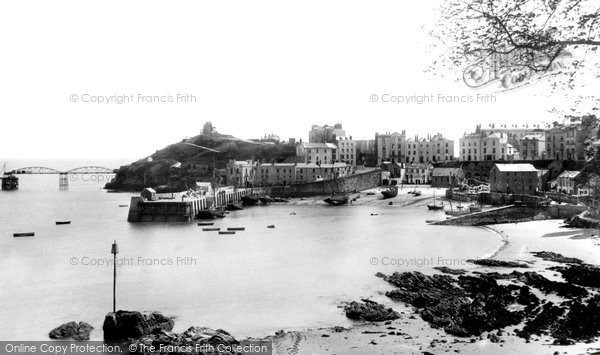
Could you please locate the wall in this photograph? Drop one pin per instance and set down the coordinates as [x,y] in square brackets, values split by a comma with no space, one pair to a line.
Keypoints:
[358,182]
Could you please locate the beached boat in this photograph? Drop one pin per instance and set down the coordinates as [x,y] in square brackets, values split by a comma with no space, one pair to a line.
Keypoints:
[210,229]
[30,234]
[417,193]
[337,197]
[390,192]
[435,206]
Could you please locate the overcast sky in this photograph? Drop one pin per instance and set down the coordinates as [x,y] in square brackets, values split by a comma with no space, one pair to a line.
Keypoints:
[254,67]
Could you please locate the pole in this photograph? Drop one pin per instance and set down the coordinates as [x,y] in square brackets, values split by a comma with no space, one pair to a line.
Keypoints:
[114,250]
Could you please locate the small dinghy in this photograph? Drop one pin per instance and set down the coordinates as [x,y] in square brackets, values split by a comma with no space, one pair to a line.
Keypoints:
[227,232]
[236,228]
[31,234]
[206,223]
[211,229]
[271,226]
[59,223]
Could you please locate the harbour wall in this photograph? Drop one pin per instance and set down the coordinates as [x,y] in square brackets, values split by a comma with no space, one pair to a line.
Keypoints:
[141,210]
[355,182]
[514,214]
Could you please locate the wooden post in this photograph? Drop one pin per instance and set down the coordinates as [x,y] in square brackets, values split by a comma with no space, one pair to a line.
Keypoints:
[114,250]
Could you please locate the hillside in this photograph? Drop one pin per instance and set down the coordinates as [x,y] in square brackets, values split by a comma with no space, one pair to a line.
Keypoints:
[196,162]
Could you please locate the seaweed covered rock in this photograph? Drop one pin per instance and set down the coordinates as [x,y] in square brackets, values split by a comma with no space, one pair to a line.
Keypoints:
[73,330]
[370,311]
[132,324]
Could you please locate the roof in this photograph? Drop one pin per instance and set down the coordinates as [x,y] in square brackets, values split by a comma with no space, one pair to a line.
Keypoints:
[278,165]
[533,136]
[320,145]
[418,165]
[516,168]
[313,165]
[445,171]
[496,135]
[149,189]
[570,174]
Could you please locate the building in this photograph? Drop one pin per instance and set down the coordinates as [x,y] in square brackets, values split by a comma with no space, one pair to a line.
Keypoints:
[391,147]
[447,177]
[317,153]
[418,173]
[513,132]
[493,146]
[346,150]
[270,138]
[313,172]
[431,149]
[395,170]
[565,142]
[395,147]
[276,174]
[325,134]
[514,178]
[566,183]
[533,147]
[240,173]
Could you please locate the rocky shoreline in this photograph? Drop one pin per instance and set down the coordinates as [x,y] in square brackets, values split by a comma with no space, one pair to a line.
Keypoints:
[467,306]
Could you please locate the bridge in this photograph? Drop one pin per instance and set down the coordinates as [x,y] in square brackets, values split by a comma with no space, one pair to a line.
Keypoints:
[80,170]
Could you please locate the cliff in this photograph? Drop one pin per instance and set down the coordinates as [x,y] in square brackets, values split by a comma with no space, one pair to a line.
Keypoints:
[162,171]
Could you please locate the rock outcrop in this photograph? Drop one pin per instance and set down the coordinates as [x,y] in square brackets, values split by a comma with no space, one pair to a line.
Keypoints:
[72,330]
[133,324]
[200,340]
[370,311]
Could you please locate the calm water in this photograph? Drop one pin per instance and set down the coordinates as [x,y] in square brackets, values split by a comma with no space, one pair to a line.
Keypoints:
[253,283]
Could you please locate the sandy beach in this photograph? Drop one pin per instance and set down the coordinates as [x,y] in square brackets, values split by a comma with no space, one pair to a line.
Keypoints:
[411,335]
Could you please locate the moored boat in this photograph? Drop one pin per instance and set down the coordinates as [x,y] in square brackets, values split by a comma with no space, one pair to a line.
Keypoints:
[435,206]
[30,234]
[58,223]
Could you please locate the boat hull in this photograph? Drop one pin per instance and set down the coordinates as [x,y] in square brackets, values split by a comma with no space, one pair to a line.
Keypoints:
[337,200]
[435,207]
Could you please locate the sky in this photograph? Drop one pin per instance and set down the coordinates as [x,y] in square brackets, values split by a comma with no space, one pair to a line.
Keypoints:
[252,67]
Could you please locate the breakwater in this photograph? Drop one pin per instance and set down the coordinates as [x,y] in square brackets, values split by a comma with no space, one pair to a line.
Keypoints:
[183,210]
[514,214]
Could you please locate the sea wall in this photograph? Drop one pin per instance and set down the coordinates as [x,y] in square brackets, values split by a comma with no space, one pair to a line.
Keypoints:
[513,214]
[355,182]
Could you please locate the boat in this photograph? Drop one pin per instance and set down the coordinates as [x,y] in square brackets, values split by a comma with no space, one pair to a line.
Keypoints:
[210,229]
[474,208]
[271,226]
[370,193]
[123,205]
[236,228]
[249,200]
[336,199]
[265,200]
[390,192]
[435,206]
[210,213]
[58,223]
[226,232]
[206,223]
[417,193]
[30,234]
[234,206]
